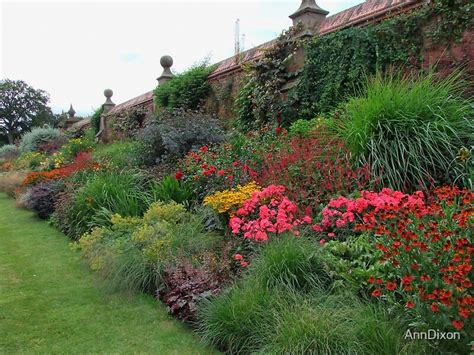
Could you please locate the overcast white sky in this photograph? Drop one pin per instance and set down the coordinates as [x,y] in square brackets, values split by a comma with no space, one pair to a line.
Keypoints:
[75,50]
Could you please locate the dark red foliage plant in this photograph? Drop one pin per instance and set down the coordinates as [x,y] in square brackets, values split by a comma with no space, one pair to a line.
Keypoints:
[313,169]
[186,285]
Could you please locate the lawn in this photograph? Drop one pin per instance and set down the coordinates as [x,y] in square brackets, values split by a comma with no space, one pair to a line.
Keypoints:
[49,302]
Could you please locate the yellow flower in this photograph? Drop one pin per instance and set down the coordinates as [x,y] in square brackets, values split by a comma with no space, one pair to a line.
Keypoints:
[228,201]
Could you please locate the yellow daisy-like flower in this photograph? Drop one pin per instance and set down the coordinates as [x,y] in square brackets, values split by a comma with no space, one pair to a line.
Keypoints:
[228,201]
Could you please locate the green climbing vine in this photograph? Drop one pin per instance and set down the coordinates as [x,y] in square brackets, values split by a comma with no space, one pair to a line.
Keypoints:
[337,62]
[259,99]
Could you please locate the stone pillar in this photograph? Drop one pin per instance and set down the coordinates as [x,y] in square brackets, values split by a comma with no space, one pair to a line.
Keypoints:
[310,16]
[166,62]
[108,105]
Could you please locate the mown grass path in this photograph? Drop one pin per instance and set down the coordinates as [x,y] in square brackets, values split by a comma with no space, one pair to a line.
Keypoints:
[50,302]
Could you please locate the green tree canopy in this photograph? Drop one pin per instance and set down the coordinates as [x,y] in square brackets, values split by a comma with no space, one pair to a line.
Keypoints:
[21,107]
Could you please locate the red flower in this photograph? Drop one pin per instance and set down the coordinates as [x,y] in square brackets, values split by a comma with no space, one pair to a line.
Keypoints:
[221,172]
[458,324]
[391,286]
[371,280]
[278,130]
[235,164]
[204,149]
[434,307]
[410,304]
[238,257]
[407,279]
[179,175]
[377,293]
[243,263]
[425,278]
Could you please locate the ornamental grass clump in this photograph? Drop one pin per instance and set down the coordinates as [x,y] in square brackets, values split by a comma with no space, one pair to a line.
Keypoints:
[126,193]
[409,129]
[283,305]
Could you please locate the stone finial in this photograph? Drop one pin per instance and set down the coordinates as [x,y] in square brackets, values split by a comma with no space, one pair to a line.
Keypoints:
[310,15]
[166,62]
[71,112]
[108,105]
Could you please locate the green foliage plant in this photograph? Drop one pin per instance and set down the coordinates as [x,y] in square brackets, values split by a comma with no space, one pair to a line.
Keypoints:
[187,90]
[107,193]
[171,189]
[409,129]
[95,119]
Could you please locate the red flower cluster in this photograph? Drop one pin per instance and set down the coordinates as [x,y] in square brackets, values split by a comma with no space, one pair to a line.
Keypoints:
[267,211]
[426,246]
[82,161]
[207,164]
[342,211]
[313,169]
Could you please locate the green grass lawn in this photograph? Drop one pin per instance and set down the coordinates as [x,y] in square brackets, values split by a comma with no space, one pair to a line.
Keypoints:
[50,302]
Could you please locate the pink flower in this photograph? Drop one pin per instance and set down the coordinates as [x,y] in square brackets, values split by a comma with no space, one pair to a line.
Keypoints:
[331,235]
[244,263]
[238,257]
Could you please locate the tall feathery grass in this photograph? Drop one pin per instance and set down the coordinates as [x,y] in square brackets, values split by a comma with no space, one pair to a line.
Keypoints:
[410,128]
[125,193]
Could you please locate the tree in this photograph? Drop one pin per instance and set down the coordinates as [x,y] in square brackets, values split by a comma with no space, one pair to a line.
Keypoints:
[21,107]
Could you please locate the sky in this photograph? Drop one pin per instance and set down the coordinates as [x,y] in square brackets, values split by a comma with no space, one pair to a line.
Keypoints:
[74,50]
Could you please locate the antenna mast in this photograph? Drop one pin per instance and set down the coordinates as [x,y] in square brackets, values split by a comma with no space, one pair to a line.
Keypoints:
[237,37]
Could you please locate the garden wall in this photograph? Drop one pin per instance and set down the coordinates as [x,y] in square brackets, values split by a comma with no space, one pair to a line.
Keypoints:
[227,77]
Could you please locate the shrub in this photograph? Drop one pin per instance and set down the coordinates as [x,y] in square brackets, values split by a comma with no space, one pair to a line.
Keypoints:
[172,134]
[8,152]
[409,129]
[39,137]
[171,189]
[188,90]
[42,197]
[313,169]
[107,193]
